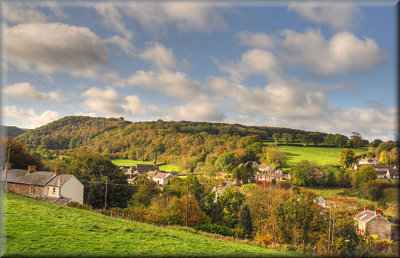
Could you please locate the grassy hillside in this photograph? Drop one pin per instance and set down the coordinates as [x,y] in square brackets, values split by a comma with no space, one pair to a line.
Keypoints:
[130,162]
[45,229]
[319,155]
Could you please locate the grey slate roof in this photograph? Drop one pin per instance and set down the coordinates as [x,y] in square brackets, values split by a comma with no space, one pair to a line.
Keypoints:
[367,216]
[162,176]
[64,179]
[41,178]
[23,177]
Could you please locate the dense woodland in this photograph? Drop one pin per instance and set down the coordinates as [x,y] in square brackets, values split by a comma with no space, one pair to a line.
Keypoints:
[193,146]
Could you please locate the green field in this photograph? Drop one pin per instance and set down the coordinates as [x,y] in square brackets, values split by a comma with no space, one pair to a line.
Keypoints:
[319,155]
[130,162]
[339,196]
[38,228]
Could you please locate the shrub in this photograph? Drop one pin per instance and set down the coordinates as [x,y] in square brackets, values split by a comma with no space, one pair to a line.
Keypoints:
[79,205]
[215,229]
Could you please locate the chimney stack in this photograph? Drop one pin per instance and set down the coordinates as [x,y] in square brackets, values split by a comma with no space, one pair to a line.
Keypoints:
[57,171]
[31,168]
[59,180]
[366,207]
[378,211]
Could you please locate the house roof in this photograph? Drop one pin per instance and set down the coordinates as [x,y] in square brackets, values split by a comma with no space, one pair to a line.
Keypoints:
[64,179]
[367,216]
[264,166]
[42,178]
[393,171]
[22,176]
[162,176]
[146,167]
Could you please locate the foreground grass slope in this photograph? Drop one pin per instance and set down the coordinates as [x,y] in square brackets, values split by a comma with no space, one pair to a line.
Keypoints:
[45,229]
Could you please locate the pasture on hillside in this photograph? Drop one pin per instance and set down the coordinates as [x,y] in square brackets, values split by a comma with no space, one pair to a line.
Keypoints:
[38,228]
[318,155]
[347,198]
[130,162]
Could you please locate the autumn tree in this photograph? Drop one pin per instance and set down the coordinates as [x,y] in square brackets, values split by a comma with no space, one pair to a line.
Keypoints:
[363,175]
[19,156]
[346,157]
[275,158]
[302,173]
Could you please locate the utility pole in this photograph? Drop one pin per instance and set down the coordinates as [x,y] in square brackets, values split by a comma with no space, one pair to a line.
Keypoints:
[105,199]
[8,161]
[329,231]
[187,204]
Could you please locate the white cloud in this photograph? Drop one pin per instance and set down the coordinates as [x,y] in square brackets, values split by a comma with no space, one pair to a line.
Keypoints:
[109,102]
[283,98]
[33,120]
[112,18]
[186,16]
[342,54]
[256,40]
[18,14]
[201,108]
[28,91]
[339,16]
[159,56]
[53,47]
[91,114]
[172,84]
[253,62]
[125,45]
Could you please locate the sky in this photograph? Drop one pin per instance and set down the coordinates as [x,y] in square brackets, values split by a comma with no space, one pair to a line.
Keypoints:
[327,67]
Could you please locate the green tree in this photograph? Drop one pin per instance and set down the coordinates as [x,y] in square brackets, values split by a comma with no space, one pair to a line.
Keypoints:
[275,158]
[146,190]
[331,180]
[230,202]
[245,221]
[276,137]
[375,143]
[316,138]
[330,139]
[302,173]
[19,156]
[363,175]
[340,140]
[93,169]
[346,157]
[298,219]
[226,161]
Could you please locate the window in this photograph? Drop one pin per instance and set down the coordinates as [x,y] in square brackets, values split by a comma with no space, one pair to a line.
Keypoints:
[54,190]
[31,189]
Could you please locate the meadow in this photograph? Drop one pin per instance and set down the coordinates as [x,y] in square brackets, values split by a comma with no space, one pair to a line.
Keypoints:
[38,228]
[130,162]
[348,198]
[318,155]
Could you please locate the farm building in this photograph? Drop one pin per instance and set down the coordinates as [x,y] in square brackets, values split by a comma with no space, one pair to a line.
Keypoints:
[373,223]
[278,176]
[49,186]
[162,178]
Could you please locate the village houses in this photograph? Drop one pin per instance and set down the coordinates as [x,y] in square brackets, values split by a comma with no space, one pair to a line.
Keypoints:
[373,223]
[49,186]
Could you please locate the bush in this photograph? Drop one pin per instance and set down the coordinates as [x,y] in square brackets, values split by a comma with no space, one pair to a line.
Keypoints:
[215,229]
[79,206]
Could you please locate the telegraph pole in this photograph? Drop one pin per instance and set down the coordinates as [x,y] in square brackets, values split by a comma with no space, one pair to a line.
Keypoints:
[105,199]
[187,204]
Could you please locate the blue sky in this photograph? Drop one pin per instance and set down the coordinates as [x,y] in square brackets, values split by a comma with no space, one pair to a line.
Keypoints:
[321,67]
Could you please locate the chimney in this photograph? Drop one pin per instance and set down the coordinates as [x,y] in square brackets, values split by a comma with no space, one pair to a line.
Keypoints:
[378,211]
[366,207]
[8,166]
[57,171]
[31,168]
[59,180]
